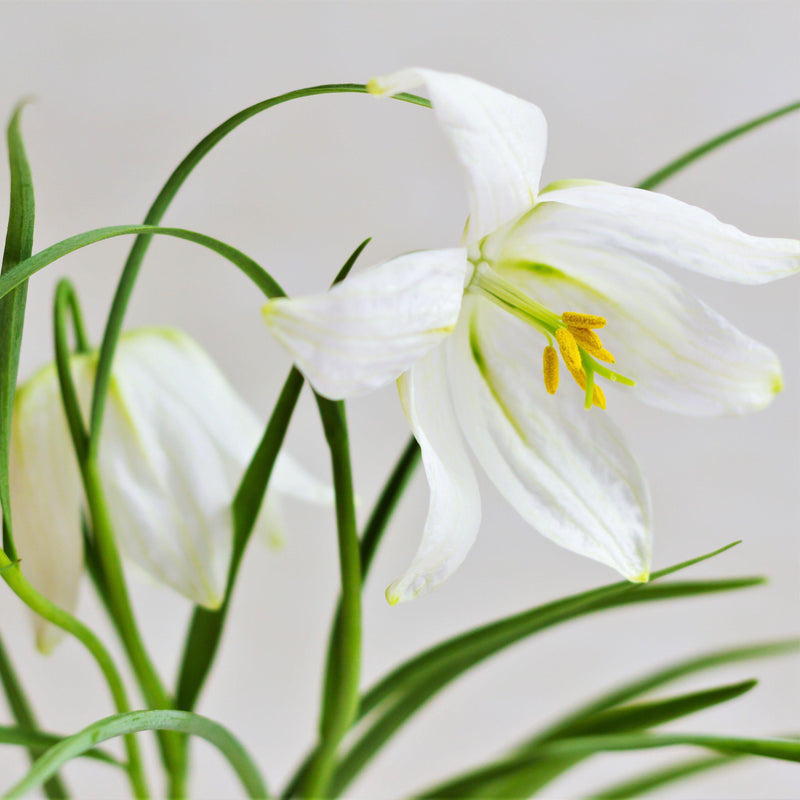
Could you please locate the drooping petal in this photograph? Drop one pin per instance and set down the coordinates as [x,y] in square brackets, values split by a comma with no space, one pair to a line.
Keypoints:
[367,330]
[46,497]
[567,471]
[664,232]
[683,355]
[175,443]
[454,512]
[499,139]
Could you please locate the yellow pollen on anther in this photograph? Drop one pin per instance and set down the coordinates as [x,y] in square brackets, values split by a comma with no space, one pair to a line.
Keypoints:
[591,343]
[577,320]
[550,369]
[569,350]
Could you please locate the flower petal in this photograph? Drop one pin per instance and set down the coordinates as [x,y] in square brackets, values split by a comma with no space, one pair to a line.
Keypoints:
[499,139]
[46,497]
[454,512]
[665,232]
[567,471]
[683,356]
[367,330]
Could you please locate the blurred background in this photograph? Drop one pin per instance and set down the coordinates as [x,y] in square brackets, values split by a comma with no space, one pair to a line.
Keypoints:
[124,90]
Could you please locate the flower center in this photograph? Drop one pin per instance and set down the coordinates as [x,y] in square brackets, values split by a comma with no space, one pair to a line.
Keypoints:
[574,333]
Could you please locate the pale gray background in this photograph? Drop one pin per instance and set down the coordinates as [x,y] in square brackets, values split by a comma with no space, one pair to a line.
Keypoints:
[125,90]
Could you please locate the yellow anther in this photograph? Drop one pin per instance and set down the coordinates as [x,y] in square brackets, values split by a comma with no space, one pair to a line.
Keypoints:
[550,368]
[591,343]
[577,320]
[569,350]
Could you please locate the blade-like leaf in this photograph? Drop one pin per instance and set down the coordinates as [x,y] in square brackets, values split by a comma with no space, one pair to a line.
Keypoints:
[438,673]
[18,246]
[19,273]
[656,779]
[134,722]
[470,785]
[40,742]
[202,639]
[658,177]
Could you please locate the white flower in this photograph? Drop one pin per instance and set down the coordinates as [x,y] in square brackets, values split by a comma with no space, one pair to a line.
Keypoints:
[538,268]
[175,443]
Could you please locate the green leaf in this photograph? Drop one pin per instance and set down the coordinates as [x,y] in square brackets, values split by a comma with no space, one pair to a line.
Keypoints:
[658,177]
[157,210]
[134,722]
[412,684]
[18,274]
[578,748]
[656,779]
[206,627]
[654,680]
[39,742]
[18,246]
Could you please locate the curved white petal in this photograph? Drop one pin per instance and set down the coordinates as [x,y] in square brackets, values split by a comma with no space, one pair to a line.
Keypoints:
[454,513]
[664,232]
[46,496]
[499,139]
[567,471]
[683,356]
[367,330]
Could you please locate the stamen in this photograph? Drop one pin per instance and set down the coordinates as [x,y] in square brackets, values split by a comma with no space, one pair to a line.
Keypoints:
[591,343]
[569,350]
[577,320]
[598,398]
[550,368]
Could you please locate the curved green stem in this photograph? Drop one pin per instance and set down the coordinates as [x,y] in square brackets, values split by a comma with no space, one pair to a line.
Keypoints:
[116,592]
[13,576]
[660,175]
[159,207]
[133,722]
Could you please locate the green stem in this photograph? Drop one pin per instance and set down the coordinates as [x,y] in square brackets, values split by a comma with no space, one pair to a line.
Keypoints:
[113,578]
[23,714]
[39,604]
[340,698]
[373,531]
[659,176]
[155,694]
[156,212]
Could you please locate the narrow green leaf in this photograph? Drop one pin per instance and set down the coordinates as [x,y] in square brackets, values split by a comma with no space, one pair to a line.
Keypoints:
[656,712]
[436,668]
[157,210]
[206,627]
[658,177]
[18,246]
[38,741]
[19,273]
[469,785]
[508,630]
[654,680]
[134,722]
[656,779]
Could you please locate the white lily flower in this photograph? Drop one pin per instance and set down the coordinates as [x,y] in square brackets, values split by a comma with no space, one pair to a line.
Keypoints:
[175,443]
[539,268]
